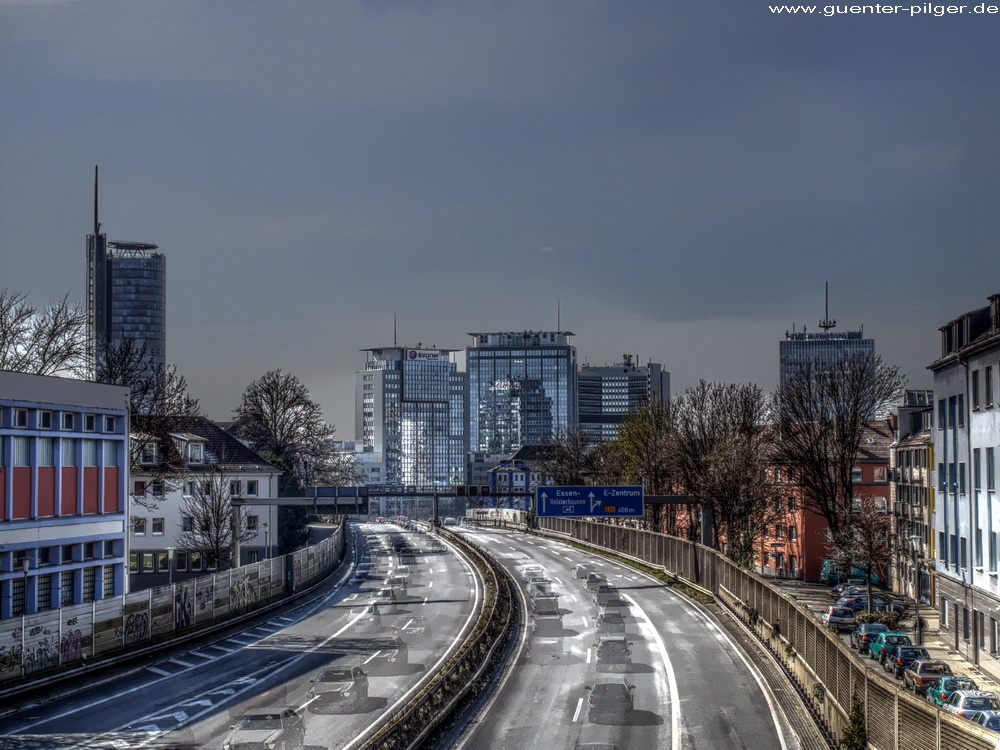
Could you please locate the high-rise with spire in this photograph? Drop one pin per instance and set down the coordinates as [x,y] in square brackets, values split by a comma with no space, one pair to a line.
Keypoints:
[126,294]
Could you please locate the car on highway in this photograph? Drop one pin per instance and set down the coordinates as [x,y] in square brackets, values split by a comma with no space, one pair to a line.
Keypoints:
[605,593]
[879,646]
[405,572]
[275,729]
[593,580]
[613,651]
[988,719]
[582,570]
[398,584]
[839,617]
[864,634]
[967,703]
[539,585]
[531,571]
[545,603]
[610,698]
[386,599]
[941,689]
[902,656]
[922,672]
[610,622]
[338,688]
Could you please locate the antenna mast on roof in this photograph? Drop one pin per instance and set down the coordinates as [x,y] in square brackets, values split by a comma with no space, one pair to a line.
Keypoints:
[558,315]
[97,224]
[394,342]
[826,324]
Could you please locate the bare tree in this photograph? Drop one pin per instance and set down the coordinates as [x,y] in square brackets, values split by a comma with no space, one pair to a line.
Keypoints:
[822,415]
[565,458]
[283,424]
[157,397]
[867,542]
[52,341]
[644,449]
[209,508]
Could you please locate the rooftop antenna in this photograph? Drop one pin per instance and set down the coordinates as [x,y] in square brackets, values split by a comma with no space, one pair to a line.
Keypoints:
[394,342]
[558,315]
[826,324]
[97,224]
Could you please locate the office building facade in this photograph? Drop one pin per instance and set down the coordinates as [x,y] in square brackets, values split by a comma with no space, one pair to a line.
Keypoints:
[126,295]
[609,393]
[823,350]
[410,409]
[523,389]
[965,533]
[63,492]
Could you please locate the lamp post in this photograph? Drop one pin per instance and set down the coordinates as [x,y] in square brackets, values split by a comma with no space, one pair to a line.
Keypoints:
[267,542]
[915,541]
[170,565]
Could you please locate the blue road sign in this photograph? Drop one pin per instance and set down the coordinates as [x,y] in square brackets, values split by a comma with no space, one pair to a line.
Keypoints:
[584,502]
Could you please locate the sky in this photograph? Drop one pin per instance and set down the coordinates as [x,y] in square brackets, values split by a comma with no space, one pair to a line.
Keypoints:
[679,177]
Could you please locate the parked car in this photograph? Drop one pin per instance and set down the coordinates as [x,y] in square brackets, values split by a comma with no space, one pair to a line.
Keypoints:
[941,689]
[839,590]
[864,634]
[859,602]
[968,703]
[902,656]
[839,617]
[879,646]
[338,688]
[610,697]
[610,622]
[278,728]
[988,719]
[921,673]
[613,650]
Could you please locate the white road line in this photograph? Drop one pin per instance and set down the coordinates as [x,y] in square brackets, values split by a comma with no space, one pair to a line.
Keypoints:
[430,585]
[163,672]
[558,580]
[586,622]
[182,663]
[588,655]
[567,557]
[241,641]
[654,640]
[202,655]
[579,708]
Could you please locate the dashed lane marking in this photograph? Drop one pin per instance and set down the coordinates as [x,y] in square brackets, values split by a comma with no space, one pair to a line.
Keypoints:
[579,710]
[159,671]
[182,663]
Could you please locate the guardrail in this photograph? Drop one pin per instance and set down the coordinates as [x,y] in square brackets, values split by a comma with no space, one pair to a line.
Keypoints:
[66,640]
[825,672]
[468,671]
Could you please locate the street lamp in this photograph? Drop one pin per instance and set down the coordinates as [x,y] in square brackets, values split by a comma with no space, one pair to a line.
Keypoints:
[267,542]
[914,541]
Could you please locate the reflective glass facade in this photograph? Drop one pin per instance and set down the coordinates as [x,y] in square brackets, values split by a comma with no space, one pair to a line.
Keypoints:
[824,350]
[522,389]
[410,407]
[609,393]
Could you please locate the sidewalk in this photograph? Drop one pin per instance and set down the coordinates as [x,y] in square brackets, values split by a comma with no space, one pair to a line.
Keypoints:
[816,597]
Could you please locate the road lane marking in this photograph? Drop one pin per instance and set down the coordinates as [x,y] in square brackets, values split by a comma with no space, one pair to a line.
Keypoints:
[182,663]
[163,672]
[430,585]
[588,654]
[668,667]
[579,709]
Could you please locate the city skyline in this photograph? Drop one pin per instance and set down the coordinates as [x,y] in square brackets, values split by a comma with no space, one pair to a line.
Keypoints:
[679,182]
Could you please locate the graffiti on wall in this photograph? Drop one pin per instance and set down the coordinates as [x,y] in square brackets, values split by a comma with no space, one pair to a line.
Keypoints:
[183,609]
[136,627]
[243,593]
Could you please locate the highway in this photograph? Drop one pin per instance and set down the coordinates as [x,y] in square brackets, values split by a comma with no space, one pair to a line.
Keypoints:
[693,688]
[193,696]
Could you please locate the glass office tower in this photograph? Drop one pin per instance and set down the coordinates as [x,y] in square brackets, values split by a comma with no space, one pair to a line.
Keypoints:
[522,389]
[410,408]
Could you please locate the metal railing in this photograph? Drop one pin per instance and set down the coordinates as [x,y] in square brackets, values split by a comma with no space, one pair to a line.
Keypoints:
[823,670]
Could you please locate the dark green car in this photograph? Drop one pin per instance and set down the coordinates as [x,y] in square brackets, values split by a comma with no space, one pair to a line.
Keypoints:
[884,642]
[941,689]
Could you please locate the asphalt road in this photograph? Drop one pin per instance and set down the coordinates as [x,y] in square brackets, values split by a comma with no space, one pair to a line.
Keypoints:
[194,696]
[694,688]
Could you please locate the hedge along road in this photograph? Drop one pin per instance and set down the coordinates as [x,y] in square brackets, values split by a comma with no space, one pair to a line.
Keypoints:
[196,695]
[693,686]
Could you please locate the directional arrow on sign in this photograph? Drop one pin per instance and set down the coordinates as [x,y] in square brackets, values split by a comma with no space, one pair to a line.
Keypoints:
[545,503]
[593,505]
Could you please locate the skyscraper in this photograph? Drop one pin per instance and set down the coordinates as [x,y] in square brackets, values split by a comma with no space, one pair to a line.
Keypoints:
[410,408]
[609,393]
[522,389]
[126,294]
[822,350]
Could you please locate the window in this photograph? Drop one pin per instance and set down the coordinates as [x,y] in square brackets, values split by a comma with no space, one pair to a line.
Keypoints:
[20,417]
[147,562]
[963,554]
[961,477]
[187,523]
[791,503]
[181,561]
[942,478]
[89,423]
[67,553]
[988,386]
[196,452]
[961,409]
[157,527]
[148,453]
[793,534]
[111,453]
[879,472]
[252,523]
[195,561]
[139,526]
[942,548]
[188,489]
[45,420]
[252,487]
[976,468]
[162,562]
[69,452]
[44,556]
[975,389]
[856,504]
[22,451]
[235,488]
[779,531]
[156,489]
[109,424]
[881,505]
[68,420]
[990,470]
[133,562]
[856,474]
[942,414]
[90,452]
[139,489]
[46,452]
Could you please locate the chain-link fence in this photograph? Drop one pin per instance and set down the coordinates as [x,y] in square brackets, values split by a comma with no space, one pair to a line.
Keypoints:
[820,666]
[37,645]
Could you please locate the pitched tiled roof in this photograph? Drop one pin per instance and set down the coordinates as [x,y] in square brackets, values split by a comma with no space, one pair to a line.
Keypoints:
[221,448]
[875,442]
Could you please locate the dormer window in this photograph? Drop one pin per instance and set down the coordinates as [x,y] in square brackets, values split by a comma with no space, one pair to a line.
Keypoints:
[196,453]
[148,455]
